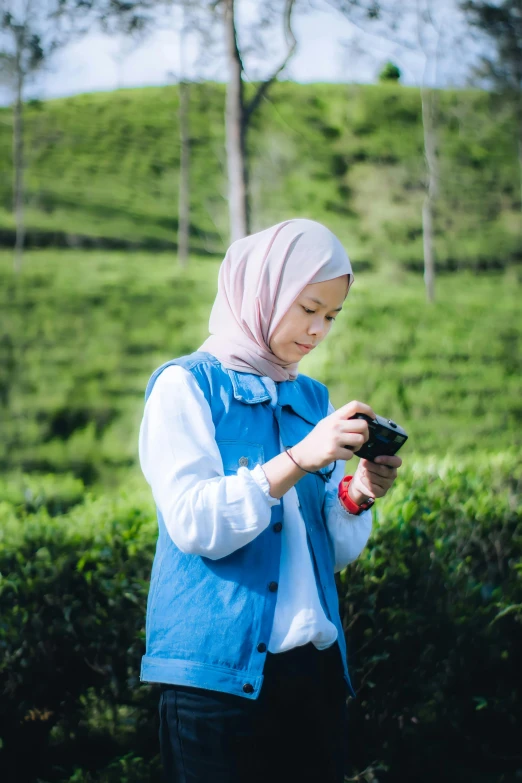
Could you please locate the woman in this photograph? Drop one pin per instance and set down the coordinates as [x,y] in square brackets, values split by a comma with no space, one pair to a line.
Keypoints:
[246,459]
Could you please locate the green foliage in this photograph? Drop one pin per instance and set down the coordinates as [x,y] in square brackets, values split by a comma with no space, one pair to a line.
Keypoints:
[72,596]
[501,22]
[125,769]
[81,333]
[390,73]
[433,615]
[29,35]
[448,373]
[103,171]
[56,493]
[79,337]
[432,608]
[432,611]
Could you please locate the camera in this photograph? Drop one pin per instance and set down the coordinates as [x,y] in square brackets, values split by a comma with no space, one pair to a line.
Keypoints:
[386,437]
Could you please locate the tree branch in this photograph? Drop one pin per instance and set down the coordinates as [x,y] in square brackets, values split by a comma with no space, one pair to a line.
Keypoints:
[292,45]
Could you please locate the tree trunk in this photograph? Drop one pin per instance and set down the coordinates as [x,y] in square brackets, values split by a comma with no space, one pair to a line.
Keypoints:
[519,129]
[520,161]
[184,138]
[428,125]
[184,175]
[18,162]
[236,126]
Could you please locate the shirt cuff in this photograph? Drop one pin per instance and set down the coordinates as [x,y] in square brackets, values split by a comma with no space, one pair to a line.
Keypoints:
[345,514]
[258,474]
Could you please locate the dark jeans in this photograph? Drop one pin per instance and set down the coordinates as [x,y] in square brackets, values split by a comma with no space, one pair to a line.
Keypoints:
[293,733]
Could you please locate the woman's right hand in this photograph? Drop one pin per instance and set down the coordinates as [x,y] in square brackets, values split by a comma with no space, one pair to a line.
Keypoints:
[328,440]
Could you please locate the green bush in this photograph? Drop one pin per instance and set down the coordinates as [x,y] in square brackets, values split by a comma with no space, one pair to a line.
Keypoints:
[125,769]
[28,493]
[72,602]
[433,617]
[389,73]
[432,611]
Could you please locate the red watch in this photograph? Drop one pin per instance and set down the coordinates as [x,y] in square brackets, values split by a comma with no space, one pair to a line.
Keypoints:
[350,505]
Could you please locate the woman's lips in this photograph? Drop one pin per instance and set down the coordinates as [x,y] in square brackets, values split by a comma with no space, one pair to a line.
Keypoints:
[305,348]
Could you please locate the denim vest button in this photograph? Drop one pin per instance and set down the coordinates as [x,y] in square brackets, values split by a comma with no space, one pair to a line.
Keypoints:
[248,688]
[272,586]
[261,647]
[243,462]
[277,527]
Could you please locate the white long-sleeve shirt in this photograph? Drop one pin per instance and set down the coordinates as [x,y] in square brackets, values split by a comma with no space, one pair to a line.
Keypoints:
[210,514]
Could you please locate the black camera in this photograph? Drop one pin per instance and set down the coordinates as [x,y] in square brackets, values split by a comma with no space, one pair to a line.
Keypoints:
[386,437]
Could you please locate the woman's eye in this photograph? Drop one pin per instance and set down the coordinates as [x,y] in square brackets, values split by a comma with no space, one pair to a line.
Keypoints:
[328,317]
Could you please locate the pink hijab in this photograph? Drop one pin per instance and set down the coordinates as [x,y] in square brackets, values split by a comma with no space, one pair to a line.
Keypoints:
[259,279]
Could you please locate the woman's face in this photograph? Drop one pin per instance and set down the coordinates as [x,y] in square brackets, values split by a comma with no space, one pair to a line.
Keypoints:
[309,319]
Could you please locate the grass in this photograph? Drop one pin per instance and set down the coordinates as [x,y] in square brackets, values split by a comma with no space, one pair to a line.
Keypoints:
[81,332]
[105,167]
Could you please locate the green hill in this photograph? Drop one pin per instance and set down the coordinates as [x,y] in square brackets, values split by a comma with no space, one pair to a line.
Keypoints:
[81,332]
[432,606]
[102,170]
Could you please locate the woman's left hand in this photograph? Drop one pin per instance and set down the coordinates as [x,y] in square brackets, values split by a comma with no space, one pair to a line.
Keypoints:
[373,479]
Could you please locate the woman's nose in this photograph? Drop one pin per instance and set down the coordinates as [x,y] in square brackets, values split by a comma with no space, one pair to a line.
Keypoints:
[316,327]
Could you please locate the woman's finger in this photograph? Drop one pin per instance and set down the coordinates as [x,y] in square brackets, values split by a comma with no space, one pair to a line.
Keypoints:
[355,439]
[379,471]
[392,460]
[382,471]
[376,485]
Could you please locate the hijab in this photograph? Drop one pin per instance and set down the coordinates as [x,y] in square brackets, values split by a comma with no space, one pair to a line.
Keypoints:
[259,279]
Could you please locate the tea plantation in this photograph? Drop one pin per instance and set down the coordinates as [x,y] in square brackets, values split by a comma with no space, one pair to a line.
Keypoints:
[433,607]
[81,332]
[103,170]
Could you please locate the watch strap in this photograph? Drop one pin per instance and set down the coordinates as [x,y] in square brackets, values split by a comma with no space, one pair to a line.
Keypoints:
[350,505]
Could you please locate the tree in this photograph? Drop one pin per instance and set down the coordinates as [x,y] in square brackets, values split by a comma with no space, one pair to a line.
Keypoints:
[30,32]
[128,16]
[137,19]
[501,23]
[389,73]
[239,112]
[142,15]
[184,161]
[421,27]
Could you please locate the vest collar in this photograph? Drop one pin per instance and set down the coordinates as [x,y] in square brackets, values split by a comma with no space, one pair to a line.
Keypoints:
[292,395]
[248,388]
[251,389]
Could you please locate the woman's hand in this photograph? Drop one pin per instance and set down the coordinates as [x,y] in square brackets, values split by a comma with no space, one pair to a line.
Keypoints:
[373,479]
[332,438]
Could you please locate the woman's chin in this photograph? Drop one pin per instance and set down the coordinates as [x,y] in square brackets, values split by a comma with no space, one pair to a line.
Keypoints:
[293,356]
[286,358]
[290,354]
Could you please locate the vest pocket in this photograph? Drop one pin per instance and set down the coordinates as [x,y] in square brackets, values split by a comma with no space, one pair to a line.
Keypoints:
[240,454]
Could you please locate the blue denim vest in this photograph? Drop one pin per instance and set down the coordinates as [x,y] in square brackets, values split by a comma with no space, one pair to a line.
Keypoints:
[208,622]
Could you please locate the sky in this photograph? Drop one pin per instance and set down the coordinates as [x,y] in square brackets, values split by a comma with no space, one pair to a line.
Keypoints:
[330,49]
